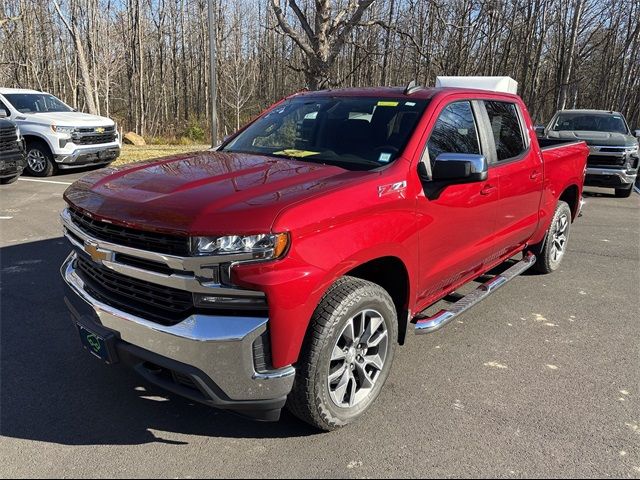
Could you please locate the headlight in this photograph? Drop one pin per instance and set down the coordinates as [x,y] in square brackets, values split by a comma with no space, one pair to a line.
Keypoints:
[18,136]
[631,150]
[263,246]
[63,130]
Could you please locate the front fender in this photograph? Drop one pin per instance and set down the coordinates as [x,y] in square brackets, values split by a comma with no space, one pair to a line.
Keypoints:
[320,253]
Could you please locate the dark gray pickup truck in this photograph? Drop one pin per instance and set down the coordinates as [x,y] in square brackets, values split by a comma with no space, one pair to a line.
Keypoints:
[12,155]
[613,157]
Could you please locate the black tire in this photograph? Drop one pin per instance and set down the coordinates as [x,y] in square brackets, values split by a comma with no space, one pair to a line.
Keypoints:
[548,260]
[9,180]
[39,150]
[311,398]
[624,192]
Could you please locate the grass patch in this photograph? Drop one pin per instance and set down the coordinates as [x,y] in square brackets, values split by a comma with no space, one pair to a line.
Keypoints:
[131,153]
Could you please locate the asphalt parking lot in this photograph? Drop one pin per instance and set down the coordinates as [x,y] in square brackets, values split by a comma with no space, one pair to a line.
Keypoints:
[542,379]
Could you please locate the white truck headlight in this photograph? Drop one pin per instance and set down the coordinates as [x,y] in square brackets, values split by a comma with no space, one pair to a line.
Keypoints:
[62,130]
[262,246]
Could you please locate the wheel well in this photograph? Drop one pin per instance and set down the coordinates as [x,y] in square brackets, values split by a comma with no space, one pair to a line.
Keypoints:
[391,274]
[30,139]
[570,195]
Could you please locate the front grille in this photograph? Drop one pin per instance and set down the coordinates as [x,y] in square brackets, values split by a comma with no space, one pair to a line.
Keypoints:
[597,160]
[94,139]
[112,128]
[144,264]
[8,140]
[157,303]
[129,237]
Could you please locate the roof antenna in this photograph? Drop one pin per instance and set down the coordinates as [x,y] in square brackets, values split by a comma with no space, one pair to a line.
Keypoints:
[412,88]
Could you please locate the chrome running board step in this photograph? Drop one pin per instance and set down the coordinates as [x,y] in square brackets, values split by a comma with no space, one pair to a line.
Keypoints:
[430,324]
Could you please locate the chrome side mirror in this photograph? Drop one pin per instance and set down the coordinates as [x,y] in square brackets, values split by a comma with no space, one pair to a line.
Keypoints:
[460,168]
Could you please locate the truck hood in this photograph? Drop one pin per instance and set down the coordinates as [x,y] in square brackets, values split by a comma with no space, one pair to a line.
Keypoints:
[207,193]
[68,119]
[596,138]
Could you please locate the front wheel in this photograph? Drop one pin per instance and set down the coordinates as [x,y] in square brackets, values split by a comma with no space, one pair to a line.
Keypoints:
[347,354]
[555,242]
[39,159]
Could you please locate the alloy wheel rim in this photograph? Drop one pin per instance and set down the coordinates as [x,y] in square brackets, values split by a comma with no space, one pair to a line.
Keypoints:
[36,160]
[358,358]
[559,238]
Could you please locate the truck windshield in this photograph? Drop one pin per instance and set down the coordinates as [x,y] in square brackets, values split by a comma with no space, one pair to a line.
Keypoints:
[36,103]
[590,122]
[355,133]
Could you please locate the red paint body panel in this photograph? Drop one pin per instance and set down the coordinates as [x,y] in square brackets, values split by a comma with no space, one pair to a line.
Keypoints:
[339,219]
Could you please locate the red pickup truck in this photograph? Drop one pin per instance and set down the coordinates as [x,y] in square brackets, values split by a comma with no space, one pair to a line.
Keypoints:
[286,266]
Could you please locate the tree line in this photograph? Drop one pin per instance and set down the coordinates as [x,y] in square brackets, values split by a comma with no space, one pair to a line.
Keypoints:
[146,62]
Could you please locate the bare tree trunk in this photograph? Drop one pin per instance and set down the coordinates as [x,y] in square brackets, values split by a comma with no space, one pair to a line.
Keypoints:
[570,55]
[82,61]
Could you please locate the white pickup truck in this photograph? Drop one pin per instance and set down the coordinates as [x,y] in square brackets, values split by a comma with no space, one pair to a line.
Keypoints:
[57,136]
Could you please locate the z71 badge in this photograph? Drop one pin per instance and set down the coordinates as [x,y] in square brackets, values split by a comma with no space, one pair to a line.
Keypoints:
[398,188]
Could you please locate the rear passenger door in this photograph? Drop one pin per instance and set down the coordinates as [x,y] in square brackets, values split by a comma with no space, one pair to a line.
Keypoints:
[520,175]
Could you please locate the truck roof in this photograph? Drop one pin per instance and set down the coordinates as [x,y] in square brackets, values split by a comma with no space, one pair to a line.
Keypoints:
[5,91]
[423,93]
[590,111]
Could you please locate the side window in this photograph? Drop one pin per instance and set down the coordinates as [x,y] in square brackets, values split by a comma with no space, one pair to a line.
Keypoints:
[4,109]
[505,124]
[454,132]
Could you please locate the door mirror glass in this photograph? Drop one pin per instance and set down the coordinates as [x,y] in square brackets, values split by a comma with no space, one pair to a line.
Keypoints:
[638,133]
[540,131]
[3,113]
[460,168]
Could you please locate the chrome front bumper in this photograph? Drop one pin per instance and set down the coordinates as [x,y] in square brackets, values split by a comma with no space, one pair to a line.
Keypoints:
[88,156]
[220,347]
[623,175]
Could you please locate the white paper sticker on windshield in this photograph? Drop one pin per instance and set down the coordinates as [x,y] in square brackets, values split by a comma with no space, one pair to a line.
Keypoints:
[384,157]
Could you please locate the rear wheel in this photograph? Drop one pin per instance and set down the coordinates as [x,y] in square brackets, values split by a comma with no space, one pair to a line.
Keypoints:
[555,243]
[39,159]
[624,192]
[347,355]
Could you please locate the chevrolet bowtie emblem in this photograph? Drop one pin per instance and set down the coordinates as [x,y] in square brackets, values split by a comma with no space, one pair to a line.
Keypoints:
[99,130]
[95,254]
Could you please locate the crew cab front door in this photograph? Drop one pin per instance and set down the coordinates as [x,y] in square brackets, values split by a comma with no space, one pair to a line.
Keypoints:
[456,227]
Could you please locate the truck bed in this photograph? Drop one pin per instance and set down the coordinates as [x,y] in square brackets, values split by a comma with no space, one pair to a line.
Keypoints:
[548,143]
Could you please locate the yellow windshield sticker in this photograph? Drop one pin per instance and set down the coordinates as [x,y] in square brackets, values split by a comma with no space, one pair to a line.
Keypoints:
[291,152]
[385,103]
